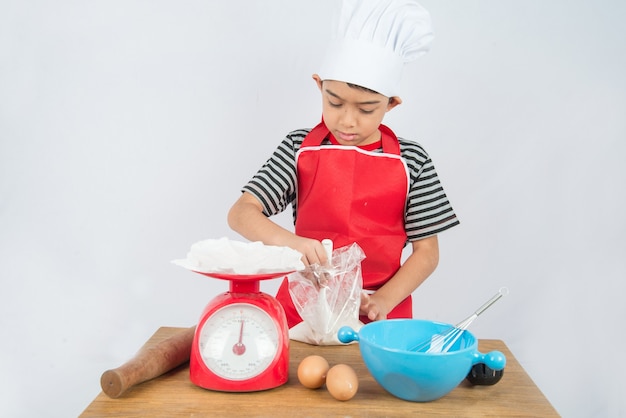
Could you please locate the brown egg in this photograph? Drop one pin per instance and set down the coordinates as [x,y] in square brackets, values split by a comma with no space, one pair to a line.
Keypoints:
[312,371]
[342,382]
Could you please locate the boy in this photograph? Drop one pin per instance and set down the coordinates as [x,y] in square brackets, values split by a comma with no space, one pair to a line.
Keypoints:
[350,179]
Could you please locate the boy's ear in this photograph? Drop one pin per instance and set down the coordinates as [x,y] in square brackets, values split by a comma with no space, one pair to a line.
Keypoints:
[318,81]
[393,102]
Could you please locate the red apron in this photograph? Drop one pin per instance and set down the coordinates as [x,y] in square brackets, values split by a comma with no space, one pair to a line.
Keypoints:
[350,195]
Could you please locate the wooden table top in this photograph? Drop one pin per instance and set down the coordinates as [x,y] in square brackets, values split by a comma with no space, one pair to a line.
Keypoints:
[173,394]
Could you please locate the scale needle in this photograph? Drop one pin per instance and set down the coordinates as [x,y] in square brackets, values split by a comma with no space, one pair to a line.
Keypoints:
[239,348]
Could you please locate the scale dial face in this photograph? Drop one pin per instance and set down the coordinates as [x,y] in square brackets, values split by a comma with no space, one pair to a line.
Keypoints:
[239,341]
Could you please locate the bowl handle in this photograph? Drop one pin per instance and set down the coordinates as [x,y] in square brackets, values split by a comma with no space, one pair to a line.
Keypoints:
[347,335]
[494,359]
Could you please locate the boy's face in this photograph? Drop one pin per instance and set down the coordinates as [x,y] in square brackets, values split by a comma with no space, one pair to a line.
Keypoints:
[352,114]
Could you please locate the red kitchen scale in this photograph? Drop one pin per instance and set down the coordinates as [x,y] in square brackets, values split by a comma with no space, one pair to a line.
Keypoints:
[241,343]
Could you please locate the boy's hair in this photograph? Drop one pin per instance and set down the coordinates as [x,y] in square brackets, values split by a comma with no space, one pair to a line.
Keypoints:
[356,86]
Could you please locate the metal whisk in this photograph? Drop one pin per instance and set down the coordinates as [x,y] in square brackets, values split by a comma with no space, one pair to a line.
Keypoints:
[441,343]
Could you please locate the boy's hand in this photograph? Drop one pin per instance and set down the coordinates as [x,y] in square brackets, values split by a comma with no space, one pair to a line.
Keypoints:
[312,250]
[372,307]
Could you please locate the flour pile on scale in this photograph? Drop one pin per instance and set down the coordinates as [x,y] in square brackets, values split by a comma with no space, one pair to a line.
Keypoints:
[226,256]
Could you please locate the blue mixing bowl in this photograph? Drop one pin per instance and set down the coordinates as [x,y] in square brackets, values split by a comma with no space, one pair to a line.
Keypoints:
[387,348]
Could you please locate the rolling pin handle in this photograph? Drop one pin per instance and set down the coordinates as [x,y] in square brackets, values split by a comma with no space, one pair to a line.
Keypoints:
[148,363]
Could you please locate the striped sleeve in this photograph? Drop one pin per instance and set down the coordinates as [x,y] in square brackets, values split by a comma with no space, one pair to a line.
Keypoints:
[275,182]
[428,211]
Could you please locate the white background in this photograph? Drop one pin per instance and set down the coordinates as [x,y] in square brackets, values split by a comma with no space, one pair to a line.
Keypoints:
[128,127]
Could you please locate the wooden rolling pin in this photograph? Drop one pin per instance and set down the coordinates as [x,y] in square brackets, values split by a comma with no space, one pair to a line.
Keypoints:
[149,363]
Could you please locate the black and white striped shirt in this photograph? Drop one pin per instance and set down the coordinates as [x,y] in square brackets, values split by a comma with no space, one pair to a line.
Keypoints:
[428,210]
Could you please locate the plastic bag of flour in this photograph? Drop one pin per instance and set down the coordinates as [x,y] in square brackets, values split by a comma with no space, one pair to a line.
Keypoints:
[328,297]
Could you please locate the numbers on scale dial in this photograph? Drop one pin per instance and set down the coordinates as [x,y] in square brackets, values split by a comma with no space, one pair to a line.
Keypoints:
[239,341]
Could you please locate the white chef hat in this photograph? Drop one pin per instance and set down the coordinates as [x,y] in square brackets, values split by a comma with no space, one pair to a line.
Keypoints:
[373,40]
